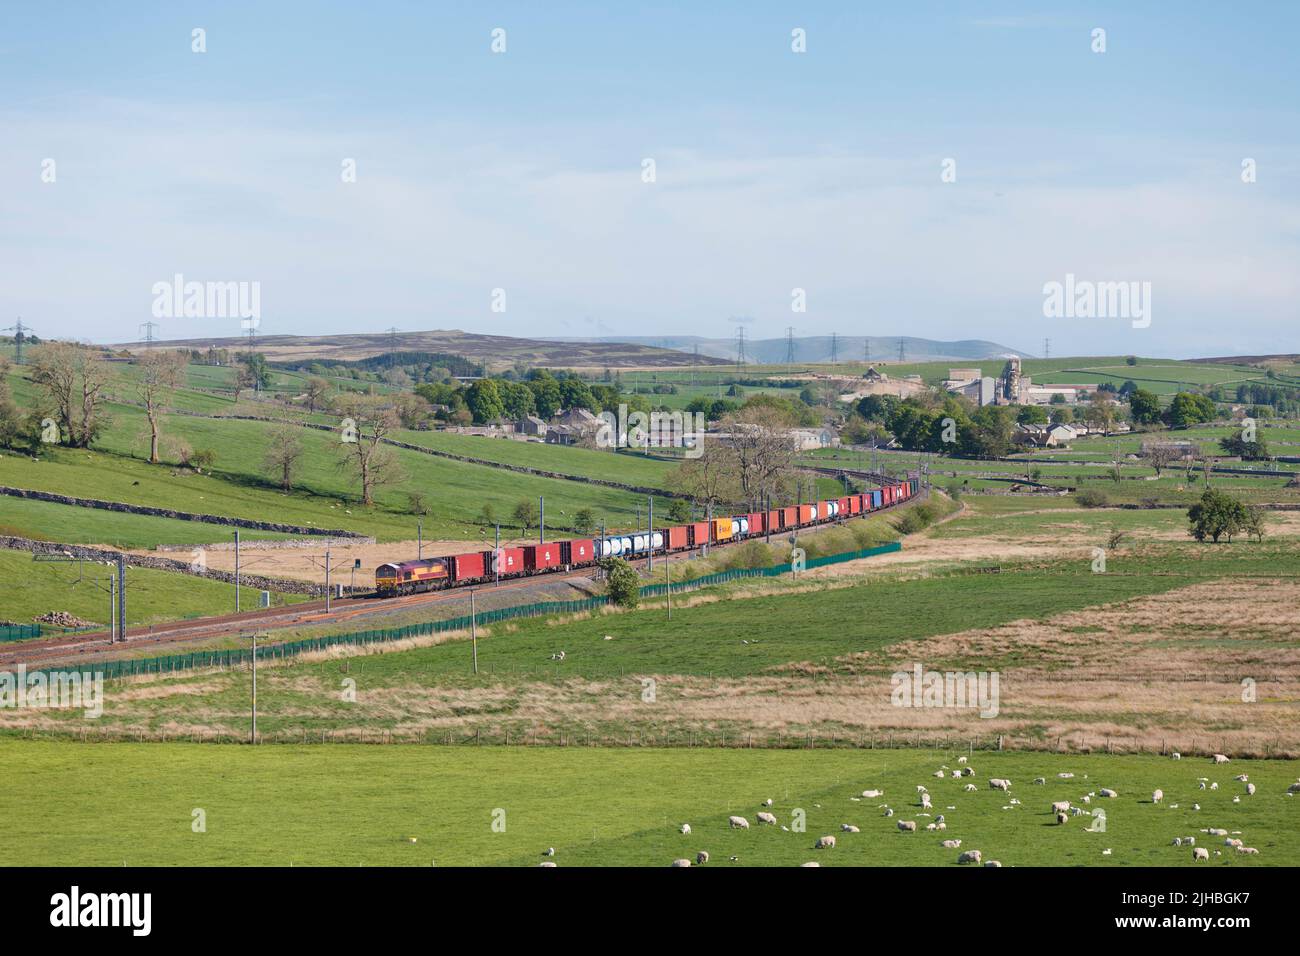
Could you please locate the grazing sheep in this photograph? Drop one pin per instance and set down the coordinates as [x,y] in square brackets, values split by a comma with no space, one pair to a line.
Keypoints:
[1248,849]
[681,863]
[940,774]
[872,794]
[968,771]
[1178,841]
[849,828]
[764,817]
[970,856]
[686,829]
[925,801]
[1066,776]
[810,863]
[950,844]
[1108,793]
[1232,841]
[767,802]
[988,863]
[1241,778]
[997,783]
[956,775]
[702,857]
[1250,789]
[889,812]
[970,788]
[1200,853]
[961,759]
[1214,786]
[907,826]
[1217,831]
[1061,806]
[1061,818]
[1040,781]
[1157,796]
[738,823]
[546,863]
[920,789]
[1175,756]
[1294,788]
[549,851]
[1220,758]
[825,843]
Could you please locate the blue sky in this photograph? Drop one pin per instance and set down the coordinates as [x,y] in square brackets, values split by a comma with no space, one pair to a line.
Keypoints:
[774,170]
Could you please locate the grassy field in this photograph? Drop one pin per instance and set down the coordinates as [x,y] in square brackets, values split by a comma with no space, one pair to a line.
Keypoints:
[422,806]
[82,589]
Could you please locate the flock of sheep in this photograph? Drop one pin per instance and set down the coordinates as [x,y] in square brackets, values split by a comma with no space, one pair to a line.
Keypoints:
[1062,811]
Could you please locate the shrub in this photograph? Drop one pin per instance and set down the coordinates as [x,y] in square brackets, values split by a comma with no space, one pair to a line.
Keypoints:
[622,583]
[1091,498]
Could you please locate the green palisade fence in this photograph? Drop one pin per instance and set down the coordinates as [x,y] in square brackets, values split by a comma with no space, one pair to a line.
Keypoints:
[229,658]
[18,632]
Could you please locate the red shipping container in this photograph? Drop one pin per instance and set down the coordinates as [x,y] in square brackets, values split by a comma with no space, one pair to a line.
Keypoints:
[855,504]
[538,557]
[699,533]
[789,517]
[774,522]
[756,522]
[844,506]
[823,509]
[467,566]
[512,561]
[678,538]
[807,514]
[577,552]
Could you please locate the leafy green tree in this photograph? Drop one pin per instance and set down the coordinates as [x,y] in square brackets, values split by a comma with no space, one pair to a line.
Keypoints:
[546,395]
[1235,444]
[622,583]
[1032,415]
[525,515]
[1189,408]
[1216,515]
[575,393]
[876,408]
[679,511]
[584,521]
[1144,406]
[517,399]
[484,401]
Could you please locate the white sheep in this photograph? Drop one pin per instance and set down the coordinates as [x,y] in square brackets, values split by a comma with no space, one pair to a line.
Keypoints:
[1250,789]
[1232,841]
[1157,796]
[1200,853]
[1175,756]
[889,811]
[738,823]
[1108,793]
[686,829]
[825,843]
[998,783]
[970,788]
[961,759]
[849,828]
[1061,806]
[547,863]
[764,817]
[767,802]
[951,844]
[968,771]
[872,794]
[681,862]
[702,857]
[970,856]
[1248,849]
[1241,778]
[907,826]
[988,863]
[939,773]
[1220,758]
[1215,785]
[956,774]
[810,863]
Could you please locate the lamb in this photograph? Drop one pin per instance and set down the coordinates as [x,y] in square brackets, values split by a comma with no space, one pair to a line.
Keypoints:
[968,771]
[970,788]
[738,823]
[810,863]
[961,759]
[951,844]
[1040,781]
[872,794]
[940,774]
[1061,818]
[1215,785]
[956,775]
[1065,775]
[1217,831]
[1250,789]
[1241,778]
[825,843]
[970,856]
[1108,793]
[925,801]
[1232,841]
[1200,853]
[702,857]
[1175,756]
[767,802]
[1157,796]
[889,811]
[1248,849]
[998,783]
[547,863]
[1220,758]
[686,829]
[681,863]
[764,817]
[988,863]
[907,826]
[849,828]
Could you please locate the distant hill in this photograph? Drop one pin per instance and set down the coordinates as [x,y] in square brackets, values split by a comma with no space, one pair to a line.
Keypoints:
[817,348]
[493,351]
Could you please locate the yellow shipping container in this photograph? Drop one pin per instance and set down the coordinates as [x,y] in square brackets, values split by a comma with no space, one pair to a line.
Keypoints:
[721,529]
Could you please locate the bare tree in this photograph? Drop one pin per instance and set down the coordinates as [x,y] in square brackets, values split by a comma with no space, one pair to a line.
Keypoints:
[160,372]
[283,454]
[317,391]
[372,419]
[1160,455]
[73,378]
[764,450]
[709,479]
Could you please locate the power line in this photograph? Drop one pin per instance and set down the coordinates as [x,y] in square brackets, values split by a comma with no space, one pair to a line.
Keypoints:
[148,328]
[789,346]
[740,346]
[866,348]
[834,350]
[392,345]
[901,350]
[1047,348]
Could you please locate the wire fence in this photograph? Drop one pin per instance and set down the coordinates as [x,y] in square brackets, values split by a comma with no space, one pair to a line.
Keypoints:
[171,663]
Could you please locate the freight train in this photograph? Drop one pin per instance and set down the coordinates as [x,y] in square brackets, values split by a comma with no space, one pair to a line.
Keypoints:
[477,567]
